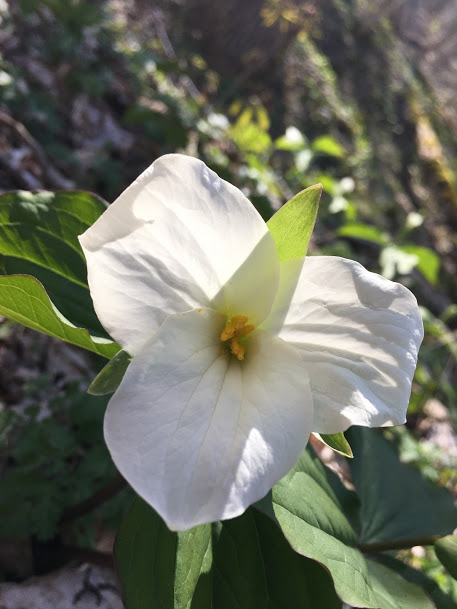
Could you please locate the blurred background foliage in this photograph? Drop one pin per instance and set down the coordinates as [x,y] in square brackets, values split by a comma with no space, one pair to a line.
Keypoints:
[274,95]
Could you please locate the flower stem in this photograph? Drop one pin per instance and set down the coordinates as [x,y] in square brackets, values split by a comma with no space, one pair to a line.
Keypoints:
[400,544]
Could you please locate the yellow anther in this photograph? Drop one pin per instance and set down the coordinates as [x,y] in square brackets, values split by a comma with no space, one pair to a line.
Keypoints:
[232,327]
[235,330]
[237,348]
[244,331]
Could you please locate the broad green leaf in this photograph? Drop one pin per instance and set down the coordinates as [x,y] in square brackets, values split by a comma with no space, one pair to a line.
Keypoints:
[252,563]
[238,573]
[394,592]
[39,237]
[293,223]
[311,518]
[245,563]
[441,600]
[327,145]
[110,377]
[255,567]
[428,262]
[293,580]
[24,300]
[396,502]
[193,577]
[357,230]
[337,442]
[446,550]
[312,521]
[159,568]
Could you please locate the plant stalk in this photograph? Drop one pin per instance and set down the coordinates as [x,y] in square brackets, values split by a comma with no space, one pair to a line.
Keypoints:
[400,544]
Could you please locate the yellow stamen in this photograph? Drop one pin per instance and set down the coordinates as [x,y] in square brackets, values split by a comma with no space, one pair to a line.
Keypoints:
[244,331]
[233,326]
[237,348]
[235,330]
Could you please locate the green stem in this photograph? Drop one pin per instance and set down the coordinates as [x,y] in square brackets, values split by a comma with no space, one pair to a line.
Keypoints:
[400,544]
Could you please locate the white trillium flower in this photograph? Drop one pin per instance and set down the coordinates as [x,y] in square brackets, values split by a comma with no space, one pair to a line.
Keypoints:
[237,357]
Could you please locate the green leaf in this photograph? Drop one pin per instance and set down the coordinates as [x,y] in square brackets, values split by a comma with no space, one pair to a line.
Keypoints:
[293,580]
[252,563]
[250,132]
[160,568]
[327,145]
[255,568]
[394,592]
[39,237]
[24,300]
[396,502]
[441,600]
[446,551]
[239,577]
[292,225]
[428,262]
[357,230]
[311,518]
[337,442]
[110,377]
[245,563]
[312,521]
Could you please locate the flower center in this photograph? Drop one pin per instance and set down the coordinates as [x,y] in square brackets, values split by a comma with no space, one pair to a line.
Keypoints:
[233,334]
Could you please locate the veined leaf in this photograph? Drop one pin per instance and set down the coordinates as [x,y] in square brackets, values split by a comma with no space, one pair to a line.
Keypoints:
[39,237]
[310,516]
[386,487]
[441,600]
[244,562]
[159,568]
[23,299]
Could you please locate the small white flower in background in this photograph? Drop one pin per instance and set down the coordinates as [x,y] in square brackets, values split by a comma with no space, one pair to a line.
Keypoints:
[237,356]
[294,137]
[413,220]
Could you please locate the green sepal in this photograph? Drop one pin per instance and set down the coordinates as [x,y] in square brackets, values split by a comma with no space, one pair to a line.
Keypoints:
[446,551]
[293,223]
[337,442]
[110,377]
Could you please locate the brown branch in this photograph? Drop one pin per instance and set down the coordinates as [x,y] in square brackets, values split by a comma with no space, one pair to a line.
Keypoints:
[55,179]
[110,490]
[400,544]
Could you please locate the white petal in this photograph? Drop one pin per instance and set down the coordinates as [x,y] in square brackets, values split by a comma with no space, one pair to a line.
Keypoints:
[358,335]
[173,241]
[198,434]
